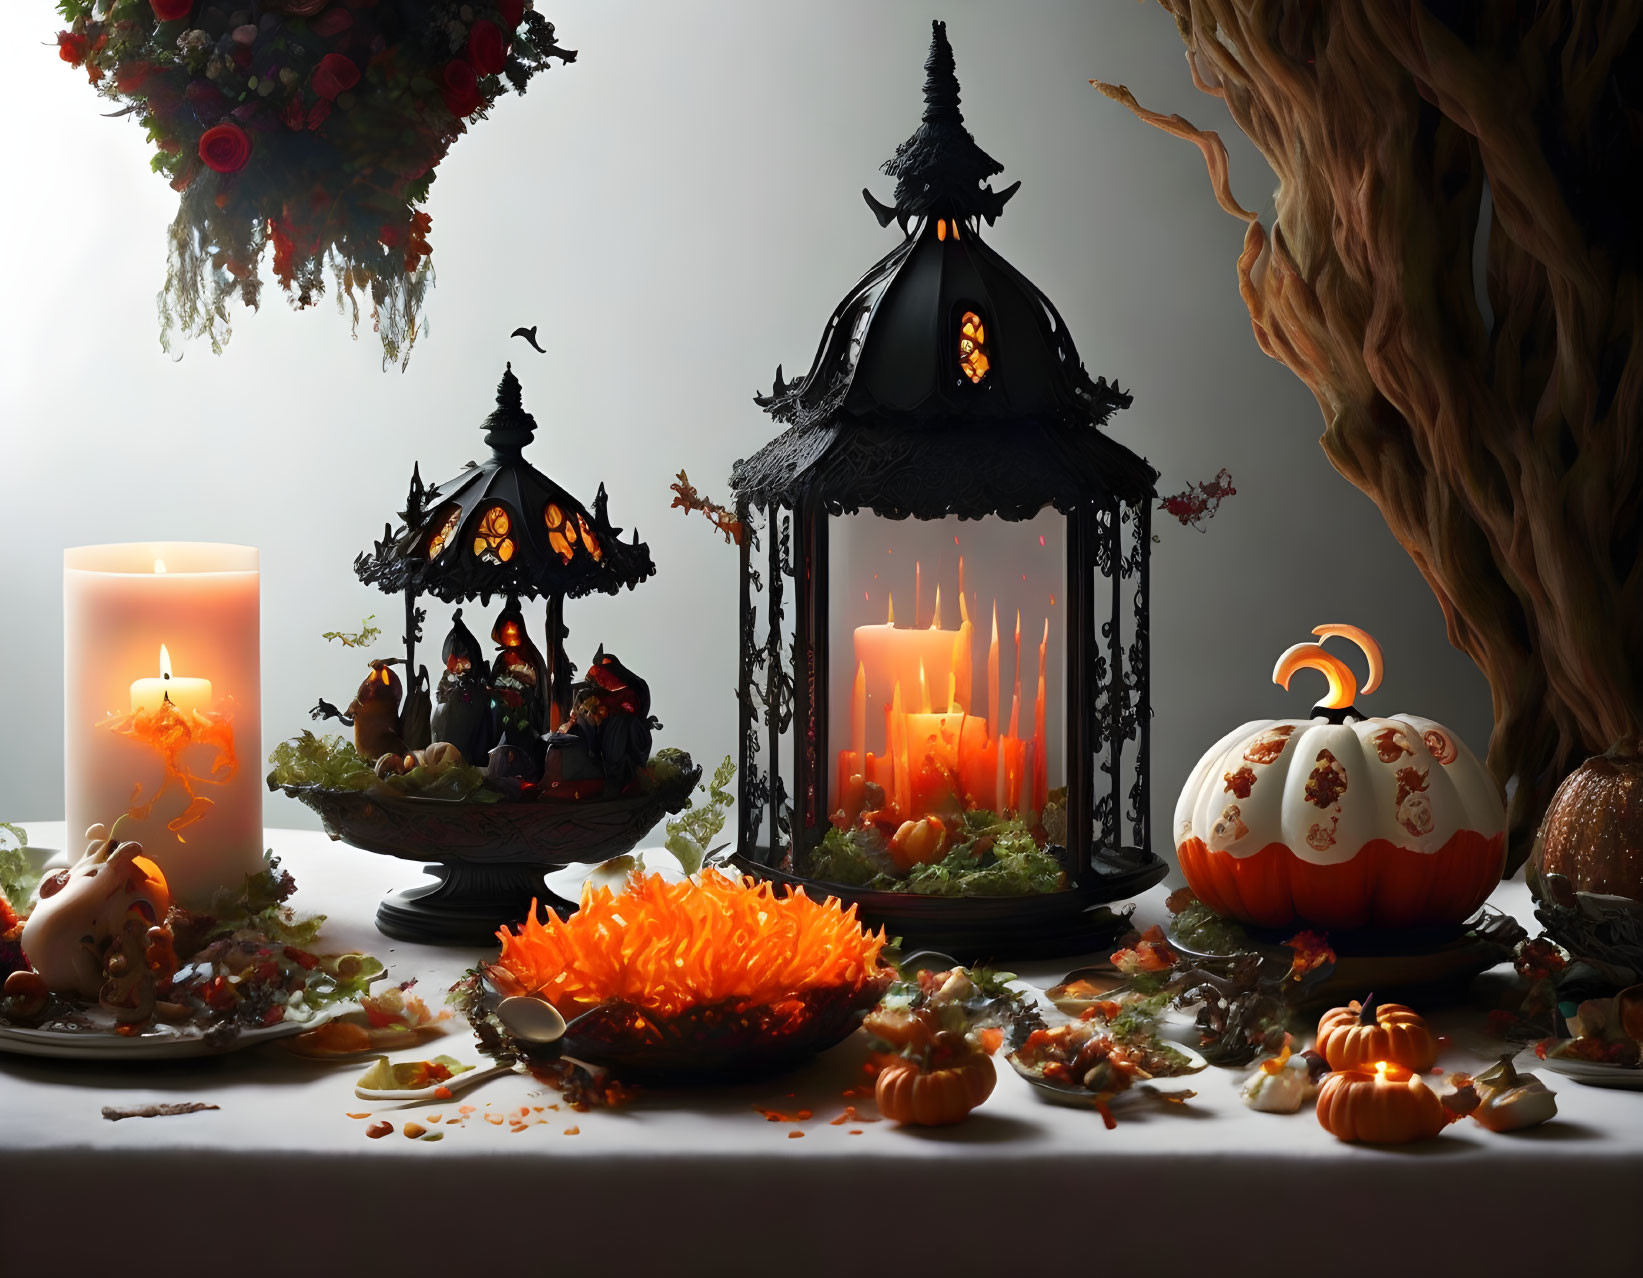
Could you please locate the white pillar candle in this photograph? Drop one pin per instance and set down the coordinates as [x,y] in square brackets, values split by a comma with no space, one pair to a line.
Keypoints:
[161,645]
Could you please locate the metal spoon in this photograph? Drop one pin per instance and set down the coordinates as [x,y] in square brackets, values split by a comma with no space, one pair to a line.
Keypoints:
[531,1020]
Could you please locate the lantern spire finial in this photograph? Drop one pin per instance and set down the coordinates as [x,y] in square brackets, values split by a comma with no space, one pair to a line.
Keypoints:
[509,428]
[940,168]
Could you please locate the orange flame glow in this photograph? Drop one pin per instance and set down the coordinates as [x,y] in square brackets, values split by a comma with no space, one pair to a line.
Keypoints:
[668,947]
[169,732]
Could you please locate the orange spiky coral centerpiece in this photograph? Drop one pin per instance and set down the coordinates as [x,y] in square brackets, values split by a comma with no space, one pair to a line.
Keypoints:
[667,947]
[708,974]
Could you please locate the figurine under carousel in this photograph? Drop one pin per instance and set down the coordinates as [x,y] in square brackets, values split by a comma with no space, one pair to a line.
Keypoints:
[508,767]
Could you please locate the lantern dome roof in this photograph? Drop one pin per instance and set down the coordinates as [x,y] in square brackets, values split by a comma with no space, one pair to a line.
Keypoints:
[502,527]
[945,382]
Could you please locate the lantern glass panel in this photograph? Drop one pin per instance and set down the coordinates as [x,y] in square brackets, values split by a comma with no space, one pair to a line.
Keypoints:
[929,715]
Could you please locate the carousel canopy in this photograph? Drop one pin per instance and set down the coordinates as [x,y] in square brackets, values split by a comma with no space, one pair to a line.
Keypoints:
[502,527]
[946,382]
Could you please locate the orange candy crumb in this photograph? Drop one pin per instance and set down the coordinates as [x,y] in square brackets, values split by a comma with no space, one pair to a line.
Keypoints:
[573,1131]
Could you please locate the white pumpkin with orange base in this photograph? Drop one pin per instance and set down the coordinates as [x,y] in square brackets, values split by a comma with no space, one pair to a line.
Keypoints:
[1342,820]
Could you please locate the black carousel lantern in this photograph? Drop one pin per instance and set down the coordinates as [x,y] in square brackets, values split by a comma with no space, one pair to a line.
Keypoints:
[503,528]
[567,771]
[963,687]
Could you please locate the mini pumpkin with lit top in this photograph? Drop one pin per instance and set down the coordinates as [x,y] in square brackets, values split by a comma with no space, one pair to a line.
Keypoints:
[1360,1034]
[1342,820]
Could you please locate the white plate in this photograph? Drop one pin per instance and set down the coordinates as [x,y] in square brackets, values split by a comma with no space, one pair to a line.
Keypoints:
[1595,1073]
[161,1042]
[158,1042]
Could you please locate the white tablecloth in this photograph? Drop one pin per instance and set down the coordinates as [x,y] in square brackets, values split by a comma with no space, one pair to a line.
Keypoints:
[280,1179]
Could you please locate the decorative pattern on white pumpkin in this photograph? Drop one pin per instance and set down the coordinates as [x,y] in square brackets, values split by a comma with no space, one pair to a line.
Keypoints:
[1441,745]
[1324,788]
[1241,782]
[1392,743]
[1414,803]
[1269,744]
[1228,829]
[1327,783]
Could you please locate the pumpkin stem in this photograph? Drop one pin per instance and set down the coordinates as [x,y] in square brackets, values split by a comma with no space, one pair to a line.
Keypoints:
[1367,1011]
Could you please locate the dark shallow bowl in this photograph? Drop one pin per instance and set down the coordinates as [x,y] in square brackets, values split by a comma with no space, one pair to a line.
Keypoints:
[1388,963]
[989,928]
[715,1043]
[488,859]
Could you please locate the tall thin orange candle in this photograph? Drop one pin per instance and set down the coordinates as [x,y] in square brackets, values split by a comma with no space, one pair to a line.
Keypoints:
[1041,758]
[992,675]
[858,716]
[898,751]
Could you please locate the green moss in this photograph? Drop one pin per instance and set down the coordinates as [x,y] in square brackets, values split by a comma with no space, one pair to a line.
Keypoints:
[992,856]
[331,763]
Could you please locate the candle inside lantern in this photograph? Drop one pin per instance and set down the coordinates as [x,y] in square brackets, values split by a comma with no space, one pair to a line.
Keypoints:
[939,756]
[175,754]
[184,693]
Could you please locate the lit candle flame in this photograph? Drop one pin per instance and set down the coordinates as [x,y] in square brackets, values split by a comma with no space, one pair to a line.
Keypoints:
[159,565]
[165,660]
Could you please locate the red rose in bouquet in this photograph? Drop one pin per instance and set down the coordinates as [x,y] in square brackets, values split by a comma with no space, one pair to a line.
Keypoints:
[461,88]
[171,10]
[513,12]
[487,48]
[225,148]
[335,74]
[130,77]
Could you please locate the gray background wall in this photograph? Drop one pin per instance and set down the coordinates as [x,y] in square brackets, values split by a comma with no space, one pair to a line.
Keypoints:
[678,212]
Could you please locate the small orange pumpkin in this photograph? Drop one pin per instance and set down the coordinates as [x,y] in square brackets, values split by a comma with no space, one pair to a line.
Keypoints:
[1360,1034]
[936,1097]
[1386,1105]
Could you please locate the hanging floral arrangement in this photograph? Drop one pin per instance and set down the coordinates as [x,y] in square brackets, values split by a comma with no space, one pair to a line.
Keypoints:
[309,127]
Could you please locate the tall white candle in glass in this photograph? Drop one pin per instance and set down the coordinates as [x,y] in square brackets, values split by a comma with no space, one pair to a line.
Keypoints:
[162,705]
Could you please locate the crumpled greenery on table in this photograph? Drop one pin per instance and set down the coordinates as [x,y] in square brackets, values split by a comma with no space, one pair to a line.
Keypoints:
[330,762]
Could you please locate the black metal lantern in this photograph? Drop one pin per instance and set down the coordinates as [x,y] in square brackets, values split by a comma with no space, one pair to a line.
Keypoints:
[967,552]
[567,775]
[502,527]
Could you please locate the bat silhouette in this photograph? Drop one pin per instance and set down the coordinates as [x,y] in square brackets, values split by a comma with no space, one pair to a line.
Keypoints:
[529,334]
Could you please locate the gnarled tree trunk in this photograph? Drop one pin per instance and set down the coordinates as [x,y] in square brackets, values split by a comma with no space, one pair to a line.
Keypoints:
[1500,436]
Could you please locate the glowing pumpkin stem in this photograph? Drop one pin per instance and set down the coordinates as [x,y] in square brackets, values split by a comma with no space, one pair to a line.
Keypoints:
[1343,684]
[1366,642]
